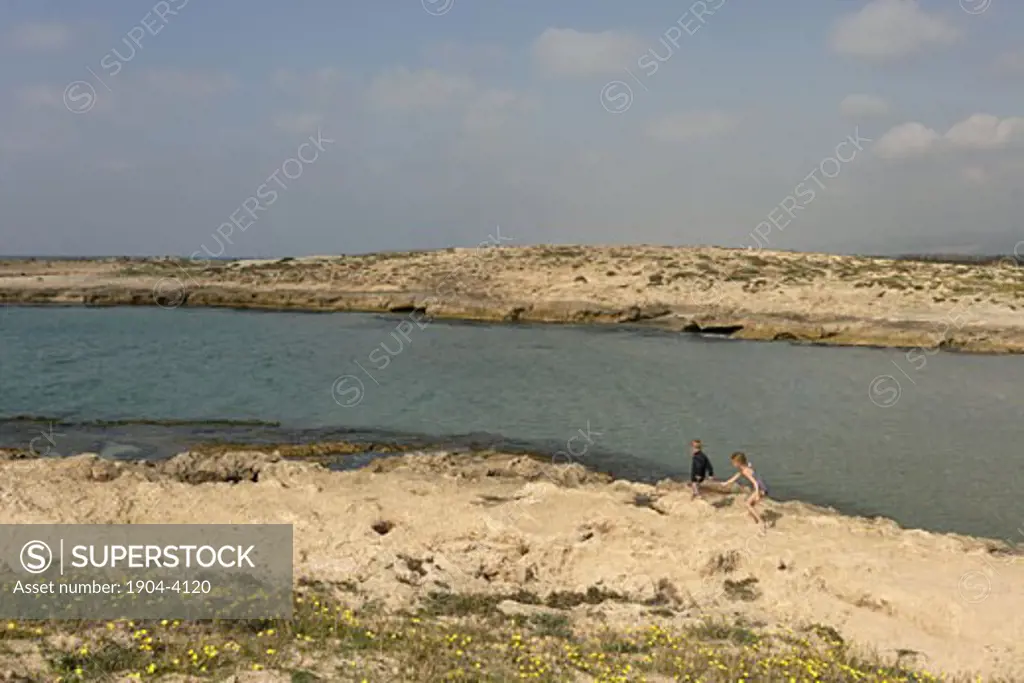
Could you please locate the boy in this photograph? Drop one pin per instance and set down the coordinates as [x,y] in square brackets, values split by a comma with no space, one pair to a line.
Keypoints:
[700,467]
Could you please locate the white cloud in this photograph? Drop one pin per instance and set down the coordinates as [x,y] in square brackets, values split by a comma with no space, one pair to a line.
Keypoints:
[481,110]
[404,89]
[492,109]
[692,126]
[977,132]
[571,53]
[1001,173]
[984,131]
[890,29]
[451,54]
[906,140]
[188,84]
[149,94]
[862,106]
[322,93]
[324,78]
[39,37]
[1011,63]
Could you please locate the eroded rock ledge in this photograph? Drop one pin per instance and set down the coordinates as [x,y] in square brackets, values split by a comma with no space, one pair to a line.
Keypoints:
[768,296]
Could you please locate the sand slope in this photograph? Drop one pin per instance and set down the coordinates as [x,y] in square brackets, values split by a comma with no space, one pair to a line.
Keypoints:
[499,523]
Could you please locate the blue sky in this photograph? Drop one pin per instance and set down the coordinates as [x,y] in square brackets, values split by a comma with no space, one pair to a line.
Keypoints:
[447,118]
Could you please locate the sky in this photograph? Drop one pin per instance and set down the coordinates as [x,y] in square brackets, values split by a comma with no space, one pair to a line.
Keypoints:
[258,129]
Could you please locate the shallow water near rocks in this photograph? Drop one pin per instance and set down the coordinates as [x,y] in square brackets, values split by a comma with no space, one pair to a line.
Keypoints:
[932,444]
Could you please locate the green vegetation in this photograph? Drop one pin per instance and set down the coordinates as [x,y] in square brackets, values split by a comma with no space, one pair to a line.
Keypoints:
[450,638]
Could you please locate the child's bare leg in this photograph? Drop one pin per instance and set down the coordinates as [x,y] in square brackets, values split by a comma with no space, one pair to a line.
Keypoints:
[753,514]
[751,502]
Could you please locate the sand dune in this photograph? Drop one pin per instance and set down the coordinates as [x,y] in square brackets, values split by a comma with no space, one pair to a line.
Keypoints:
[493,523]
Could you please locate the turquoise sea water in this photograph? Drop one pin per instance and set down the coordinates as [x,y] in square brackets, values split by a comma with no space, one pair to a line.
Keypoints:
[817,424]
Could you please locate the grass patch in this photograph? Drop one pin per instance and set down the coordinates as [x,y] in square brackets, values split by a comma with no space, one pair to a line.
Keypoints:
[570,599]
[458,605]
[723,563]
[744,589]
[724,631]
[465,604]
[462,638]
[552,625]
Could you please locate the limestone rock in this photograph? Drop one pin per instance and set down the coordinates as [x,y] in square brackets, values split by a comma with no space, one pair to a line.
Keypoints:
[197,468]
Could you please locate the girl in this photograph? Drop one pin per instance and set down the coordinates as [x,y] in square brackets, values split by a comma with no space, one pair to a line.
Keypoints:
[739,460]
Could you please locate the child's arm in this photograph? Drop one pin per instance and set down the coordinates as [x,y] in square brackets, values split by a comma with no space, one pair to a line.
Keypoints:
[731,480]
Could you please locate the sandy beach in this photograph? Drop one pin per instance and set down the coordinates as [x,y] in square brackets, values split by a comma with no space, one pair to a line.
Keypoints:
[410,525]
[743,294]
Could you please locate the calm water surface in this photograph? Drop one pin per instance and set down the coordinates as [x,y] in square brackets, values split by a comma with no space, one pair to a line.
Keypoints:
[941,451]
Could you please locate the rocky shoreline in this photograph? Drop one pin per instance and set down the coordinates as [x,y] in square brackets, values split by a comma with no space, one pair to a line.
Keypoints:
[406,529]
[766,296]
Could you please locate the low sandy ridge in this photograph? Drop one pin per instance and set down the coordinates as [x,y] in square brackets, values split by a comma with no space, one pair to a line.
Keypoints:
[409,525]
[746,294]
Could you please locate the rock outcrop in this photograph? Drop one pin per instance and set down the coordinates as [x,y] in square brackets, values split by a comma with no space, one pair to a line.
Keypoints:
[742,294]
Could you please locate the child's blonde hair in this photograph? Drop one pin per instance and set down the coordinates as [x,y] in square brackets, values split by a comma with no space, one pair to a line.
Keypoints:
[739,457]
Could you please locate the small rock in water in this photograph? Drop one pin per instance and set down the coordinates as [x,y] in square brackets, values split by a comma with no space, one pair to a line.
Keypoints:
[117,450]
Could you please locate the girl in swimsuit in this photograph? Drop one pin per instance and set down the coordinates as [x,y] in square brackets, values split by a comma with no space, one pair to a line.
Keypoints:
[739,460]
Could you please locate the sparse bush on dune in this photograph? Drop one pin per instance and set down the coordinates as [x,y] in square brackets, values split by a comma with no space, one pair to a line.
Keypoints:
[452,638]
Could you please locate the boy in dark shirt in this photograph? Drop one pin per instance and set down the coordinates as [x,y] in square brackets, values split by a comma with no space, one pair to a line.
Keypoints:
[700,467]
